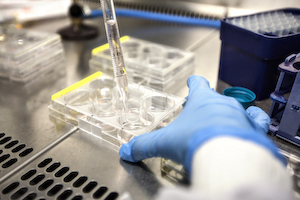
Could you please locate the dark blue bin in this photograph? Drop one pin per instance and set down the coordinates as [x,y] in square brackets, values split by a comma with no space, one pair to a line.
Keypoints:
[254,45]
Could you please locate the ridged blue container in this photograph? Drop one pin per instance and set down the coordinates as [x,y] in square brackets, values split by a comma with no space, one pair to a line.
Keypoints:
[254,45]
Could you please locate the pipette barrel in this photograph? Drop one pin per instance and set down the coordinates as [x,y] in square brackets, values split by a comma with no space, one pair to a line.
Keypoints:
[113,37]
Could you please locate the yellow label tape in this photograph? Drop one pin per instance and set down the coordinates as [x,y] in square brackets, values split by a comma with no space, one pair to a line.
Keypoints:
[106,46]
[75,85]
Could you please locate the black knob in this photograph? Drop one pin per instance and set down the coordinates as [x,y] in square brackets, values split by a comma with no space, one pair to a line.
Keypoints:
[75,11]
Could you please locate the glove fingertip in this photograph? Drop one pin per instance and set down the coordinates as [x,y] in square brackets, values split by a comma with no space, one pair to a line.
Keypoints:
[125,152]
[255,111]
[260,117]
[195,81]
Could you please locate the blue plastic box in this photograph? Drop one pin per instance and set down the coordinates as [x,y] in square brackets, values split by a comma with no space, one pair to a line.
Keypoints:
[254,45]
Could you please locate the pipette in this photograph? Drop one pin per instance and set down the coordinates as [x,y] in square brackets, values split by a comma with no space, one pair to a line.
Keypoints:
[113,38]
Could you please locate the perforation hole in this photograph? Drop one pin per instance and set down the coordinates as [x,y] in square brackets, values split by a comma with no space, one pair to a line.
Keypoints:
[54,190]
[19,193]
[78,197]
[70,177]
[2,134]
[10,163]
[10,188]
[89,187]
[37,179]
[4,157]
[28,174]
[61,172]
[45,185]
[80,181]
[18,148]
[1,151]
[66,194]
[4,140]
[112,196]
[11,144]
[26,152]
[30,196]
[45,162]
[100,192]
[53,167]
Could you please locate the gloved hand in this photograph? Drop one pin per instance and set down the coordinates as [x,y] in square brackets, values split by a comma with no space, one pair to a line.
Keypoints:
[206,115]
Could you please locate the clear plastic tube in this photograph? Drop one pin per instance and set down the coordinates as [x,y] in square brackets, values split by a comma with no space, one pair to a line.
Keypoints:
[113,38]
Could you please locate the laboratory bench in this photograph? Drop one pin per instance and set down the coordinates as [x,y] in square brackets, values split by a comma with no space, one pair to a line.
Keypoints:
[48,161]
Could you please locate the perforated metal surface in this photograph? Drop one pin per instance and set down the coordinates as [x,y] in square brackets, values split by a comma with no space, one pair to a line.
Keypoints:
[88,169]
[11,151]
[49,179]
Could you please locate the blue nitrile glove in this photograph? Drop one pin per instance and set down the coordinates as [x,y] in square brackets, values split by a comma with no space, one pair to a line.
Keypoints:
[206,115]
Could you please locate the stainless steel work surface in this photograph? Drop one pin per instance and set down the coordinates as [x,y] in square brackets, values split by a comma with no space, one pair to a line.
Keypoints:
[25,120]
[24,125]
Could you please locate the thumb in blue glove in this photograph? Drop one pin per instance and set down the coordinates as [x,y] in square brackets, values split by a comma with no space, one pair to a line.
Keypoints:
[206,115]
